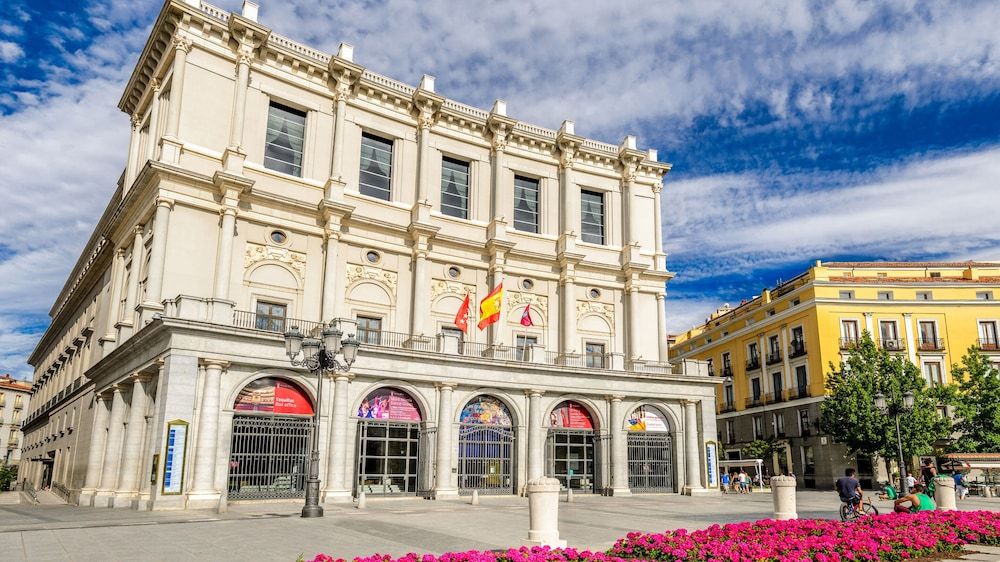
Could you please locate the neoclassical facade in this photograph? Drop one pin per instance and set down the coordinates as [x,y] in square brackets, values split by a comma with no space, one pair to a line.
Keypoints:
[270,185]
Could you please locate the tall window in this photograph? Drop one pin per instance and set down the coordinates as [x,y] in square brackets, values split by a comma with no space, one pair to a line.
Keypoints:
[758,427]
[932,372]
[849,332]
[286,129]
[778,424]
[755,389]
[595,355]
[730,431]
[804,421]
[988,335]
[752,353]
[801,380]
[370,330]
[776,383]
[525,204]
[928,334]
[376,166]
[455,188]
[729,395]
[271,316]
[522,345]
[888,334]
[592,216]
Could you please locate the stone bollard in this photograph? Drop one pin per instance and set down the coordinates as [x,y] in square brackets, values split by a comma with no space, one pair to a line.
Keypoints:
[783,496]
[543,513]
[362,501]
[569,495]
[475,497]
[944,493]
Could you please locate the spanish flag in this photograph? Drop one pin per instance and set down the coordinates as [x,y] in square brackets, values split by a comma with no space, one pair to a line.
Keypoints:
[489,307]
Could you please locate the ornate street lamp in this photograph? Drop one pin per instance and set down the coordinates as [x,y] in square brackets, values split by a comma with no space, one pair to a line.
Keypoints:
[319,356]
[897,409]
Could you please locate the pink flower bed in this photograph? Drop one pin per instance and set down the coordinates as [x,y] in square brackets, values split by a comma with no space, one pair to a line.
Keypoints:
[890,537]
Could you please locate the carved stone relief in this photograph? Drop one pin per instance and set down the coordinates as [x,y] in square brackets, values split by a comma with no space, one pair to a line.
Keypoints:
[257,253]
[357,273]
[538,302]
[441,287]
[591,307]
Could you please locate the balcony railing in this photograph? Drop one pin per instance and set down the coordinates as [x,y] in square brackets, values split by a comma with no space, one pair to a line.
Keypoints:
[772,397]
[849,342]
[798,392]
[930,344]
[774,357]
[727,371]
[727,407]
[892,344]
[754,401]
[797,348]
[753,363]
[254,321]
[989,344]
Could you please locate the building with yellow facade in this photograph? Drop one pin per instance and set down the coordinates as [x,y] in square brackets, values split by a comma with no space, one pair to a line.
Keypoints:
[774,350]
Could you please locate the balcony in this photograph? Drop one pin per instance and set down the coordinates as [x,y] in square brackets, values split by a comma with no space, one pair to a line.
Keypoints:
[727,371]
[727,407]
[774,357]
[753,363]
[12,443]
[754,401]
[989,344]
[798,392]
[849,342]
[892,344]
[805,432]
[774,397]
[930,344]
[797,348]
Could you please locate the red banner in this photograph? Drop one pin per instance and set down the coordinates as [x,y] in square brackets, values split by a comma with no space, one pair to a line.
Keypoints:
[571,415]
[273,396]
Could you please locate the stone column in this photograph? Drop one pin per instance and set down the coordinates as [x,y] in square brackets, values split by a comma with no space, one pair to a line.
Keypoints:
[424,123]
[330,274]
[128,480]
[536,457]
[660,260]
[203,490]
[240,98]
[336,467]
[344,73]
[133,151]
[224,257]
[568,144]
[634,326]
[692,448]
[114,301]
[171,143]
[112,450]
[567,306]
[340,108]
[154,119]
[95,458]
[157,258]
[619,448]
[127,323]
[662,351]
[869,324]
[944,493]
[442,484]
[500,126]
[543,513]
[420,290]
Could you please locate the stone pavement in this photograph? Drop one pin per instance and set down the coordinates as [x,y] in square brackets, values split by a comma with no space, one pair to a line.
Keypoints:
[275,532]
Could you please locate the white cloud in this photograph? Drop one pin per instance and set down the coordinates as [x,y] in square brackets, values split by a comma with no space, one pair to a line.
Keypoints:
[10,52]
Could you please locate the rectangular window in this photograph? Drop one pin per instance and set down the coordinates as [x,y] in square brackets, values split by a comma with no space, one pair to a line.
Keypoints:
[804,422]
[454,188]
[730,431]
[925,296]
[935,274]
[727,365]
[595,355]
[525,204]
[776,384]
[885,295]
[984,295]
[778,424]
[755,389]
[797,333]
[370,330]
[752,353]
[376,167]
[801,381]
[988,336]
[928,334]
[889,334]
[758,427]
[730,401]
[592,216]
[810,462]
[271,316]
[847,295]
[849,332]
[521,346]
[932,372]
[286,130]
[711,367]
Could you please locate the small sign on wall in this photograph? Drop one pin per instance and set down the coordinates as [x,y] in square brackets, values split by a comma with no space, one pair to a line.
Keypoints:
[174,457]
[710,460]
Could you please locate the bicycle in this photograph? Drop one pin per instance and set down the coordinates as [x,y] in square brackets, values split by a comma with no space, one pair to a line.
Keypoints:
[849,510]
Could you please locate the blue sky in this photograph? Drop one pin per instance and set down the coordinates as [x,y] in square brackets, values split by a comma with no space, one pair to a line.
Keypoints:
[798,130]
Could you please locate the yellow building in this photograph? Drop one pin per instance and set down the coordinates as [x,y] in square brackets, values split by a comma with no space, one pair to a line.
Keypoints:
[775,349]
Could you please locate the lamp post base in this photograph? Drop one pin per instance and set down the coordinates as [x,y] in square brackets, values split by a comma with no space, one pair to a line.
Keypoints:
[312,507]
[312,511]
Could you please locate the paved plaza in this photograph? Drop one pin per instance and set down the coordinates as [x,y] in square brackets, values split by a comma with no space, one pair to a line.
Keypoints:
[275,532]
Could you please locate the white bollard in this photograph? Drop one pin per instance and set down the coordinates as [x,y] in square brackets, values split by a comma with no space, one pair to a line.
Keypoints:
[944,493]
[475,497]
[569,495]
[362,501]
[543,513]
[783,496]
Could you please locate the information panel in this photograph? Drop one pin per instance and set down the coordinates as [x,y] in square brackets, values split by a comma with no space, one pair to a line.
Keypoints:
[710,459]
[173,459]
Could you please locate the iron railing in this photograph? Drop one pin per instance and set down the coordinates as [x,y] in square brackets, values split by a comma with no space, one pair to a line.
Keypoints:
[797,348]
[727,407]
[798,392]
[930,344]
[727,371]
[253,321]
[774,357]
[989,344]
[754,401]
[753,363]
[849,342]
[892,344]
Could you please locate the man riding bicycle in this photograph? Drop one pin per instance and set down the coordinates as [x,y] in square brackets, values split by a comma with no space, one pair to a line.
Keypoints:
[849,488]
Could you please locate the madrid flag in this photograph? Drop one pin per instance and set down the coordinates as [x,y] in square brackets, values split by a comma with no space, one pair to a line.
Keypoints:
[489,308]
[462,317]
[526,316]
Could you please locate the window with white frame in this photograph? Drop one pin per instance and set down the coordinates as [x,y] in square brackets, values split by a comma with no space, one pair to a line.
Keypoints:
[932,372]
[454,188]
[984,295]
[758,427]
[928,334]
[375,179]
[925,296]
[271,316]
[369,330]
[526,210]
[592,216]
[778,424]
[847,295]
[594,355]
[286,129]
[804,427]
[988,335]
[885,295]
[730,431]
[889,334]
[849,333]
[522,343]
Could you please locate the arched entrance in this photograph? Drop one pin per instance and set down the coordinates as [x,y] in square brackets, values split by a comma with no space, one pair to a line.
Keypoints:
[486,447]
[571,448]
[389,444]
[269,455]
[650,451]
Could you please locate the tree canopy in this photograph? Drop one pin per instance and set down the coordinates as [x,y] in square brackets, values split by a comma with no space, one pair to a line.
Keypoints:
[977,403]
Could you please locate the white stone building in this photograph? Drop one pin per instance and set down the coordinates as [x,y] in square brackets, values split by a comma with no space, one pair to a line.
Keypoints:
[14,397]
[271,185]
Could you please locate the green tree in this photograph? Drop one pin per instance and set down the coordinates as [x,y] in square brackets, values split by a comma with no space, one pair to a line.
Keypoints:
[977,403]
[8,474]
[849,413]
[758,449]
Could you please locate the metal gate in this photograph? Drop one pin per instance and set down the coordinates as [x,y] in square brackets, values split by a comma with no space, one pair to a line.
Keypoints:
[650,462]
[388,457]
[571,455]
[485,459]
[269,457]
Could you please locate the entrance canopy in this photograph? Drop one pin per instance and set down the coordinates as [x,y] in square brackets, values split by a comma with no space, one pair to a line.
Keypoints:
[756,464]
[389,404]
[571,415]
[273,396]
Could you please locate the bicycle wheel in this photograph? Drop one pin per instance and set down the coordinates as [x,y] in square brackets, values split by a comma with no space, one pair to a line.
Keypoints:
[846,513]
[868,509]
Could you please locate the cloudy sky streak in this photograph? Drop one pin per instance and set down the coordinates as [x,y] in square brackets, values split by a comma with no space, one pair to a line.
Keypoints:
[798,131]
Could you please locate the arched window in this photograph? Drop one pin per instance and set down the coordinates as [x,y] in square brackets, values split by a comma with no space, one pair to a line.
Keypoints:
[271,395]
[486,410]
[389,404]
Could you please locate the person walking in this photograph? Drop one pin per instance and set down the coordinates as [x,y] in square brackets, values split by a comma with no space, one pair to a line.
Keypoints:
[961,490]
[744,482]
[918,500]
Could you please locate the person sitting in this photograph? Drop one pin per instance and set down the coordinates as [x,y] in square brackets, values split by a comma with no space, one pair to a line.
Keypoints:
[918,500]
[888,492]
[849,488]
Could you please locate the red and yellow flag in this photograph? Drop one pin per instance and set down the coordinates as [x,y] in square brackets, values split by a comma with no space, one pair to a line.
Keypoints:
[489,308]
[462,317]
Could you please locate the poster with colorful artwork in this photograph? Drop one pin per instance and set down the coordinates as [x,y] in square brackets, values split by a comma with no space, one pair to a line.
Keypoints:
[645,418]
[174,457]
[571,415]
[273,396]
[389,404]
[486,410]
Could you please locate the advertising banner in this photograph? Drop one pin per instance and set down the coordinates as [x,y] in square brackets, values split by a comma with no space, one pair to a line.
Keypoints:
[389,404]
[273,396]
[646,419]
[571,415]
[486,410]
